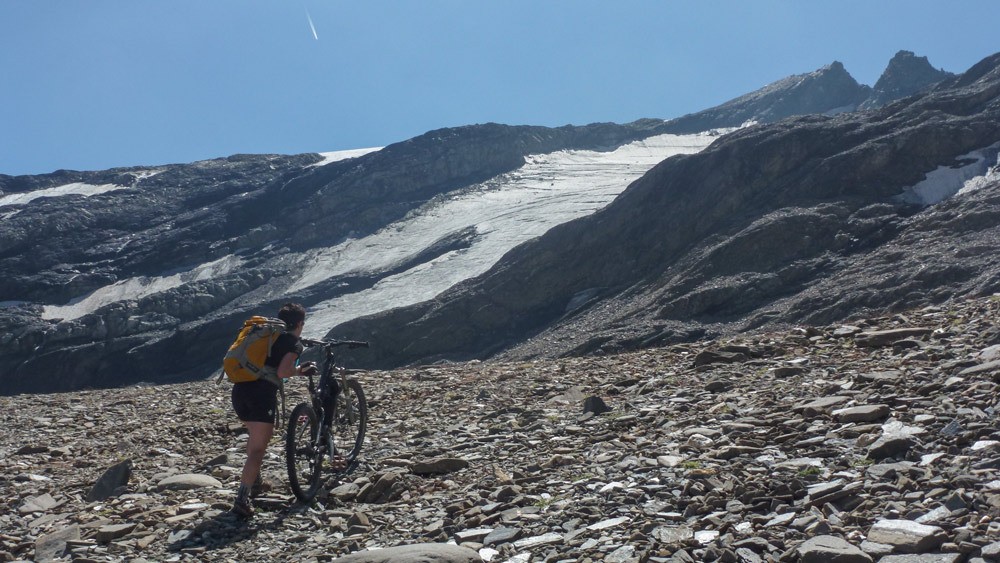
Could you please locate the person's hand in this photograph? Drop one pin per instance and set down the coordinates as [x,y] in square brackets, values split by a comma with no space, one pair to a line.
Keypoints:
[308,368]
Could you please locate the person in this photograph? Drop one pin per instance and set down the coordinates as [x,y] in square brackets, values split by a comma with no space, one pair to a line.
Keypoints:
[256,403]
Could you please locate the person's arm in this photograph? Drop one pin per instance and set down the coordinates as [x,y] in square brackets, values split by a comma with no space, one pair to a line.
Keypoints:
[286,368]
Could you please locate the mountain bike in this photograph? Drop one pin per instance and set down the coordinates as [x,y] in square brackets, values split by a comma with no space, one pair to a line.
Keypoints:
[336,400]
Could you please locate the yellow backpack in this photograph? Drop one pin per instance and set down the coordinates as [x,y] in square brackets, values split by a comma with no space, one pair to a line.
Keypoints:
[245,359]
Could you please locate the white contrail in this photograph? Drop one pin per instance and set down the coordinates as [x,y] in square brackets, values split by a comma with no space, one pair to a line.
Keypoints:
[311,26]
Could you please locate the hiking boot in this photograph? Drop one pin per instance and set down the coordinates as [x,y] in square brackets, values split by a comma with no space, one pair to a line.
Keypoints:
[260,487]
[242,507]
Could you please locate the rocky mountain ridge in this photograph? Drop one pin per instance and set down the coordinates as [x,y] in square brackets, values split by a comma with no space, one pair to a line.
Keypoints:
[807,220]
[905,75]
[182,253]
[870,442]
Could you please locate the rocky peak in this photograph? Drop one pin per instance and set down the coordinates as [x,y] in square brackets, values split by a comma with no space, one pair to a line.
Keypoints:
[827,90]
[905,75]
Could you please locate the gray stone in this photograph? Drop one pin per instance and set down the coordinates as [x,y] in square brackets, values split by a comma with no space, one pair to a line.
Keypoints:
[896,439]
[419,553]
[113,478]
[988,367]
[938,514]
[907,536]
[52,546]
[845,330]
[952,428]
[780,520]
[717,357]
[991,551]
[501,536]
[831,549]
[385,489]
[669,460]
[221,459]
[821,404]
[609,523]
[595,405]
[187,481]
[924,558]
[40,503]
[745,555]
[890,446]
[438,466]
[112,532]
[876,549]
[718,385]
[624,554]
[888,337]
[346,492]
[473,535]
[881,470]
[551,538]
[865,413]
[783,372]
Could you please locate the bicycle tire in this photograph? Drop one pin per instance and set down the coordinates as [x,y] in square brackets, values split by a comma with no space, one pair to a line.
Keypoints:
[350,421]
[304,460]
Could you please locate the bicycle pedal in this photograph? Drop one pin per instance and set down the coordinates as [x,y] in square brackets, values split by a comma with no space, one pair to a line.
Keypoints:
[338,463]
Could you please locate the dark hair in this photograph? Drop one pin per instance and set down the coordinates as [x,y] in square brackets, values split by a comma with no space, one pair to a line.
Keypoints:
[292,314]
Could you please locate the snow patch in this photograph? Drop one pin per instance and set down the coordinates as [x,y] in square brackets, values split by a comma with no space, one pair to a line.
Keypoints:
[336,156]
[839,110]
[548,190]
[77,188]
[946,181]
[139,287]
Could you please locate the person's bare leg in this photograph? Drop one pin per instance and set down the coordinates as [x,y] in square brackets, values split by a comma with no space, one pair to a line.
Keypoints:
[259,436]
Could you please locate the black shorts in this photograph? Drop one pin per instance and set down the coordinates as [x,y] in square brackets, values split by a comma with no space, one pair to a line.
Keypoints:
[255,401]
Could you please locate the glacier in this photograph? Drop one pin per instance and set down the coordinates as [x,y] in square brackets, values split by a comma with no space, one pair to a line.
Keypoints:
[502,212]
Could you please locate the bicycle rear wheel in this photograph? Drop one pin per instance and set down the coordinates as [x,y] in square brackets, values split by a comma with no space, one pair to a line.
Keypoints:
[350,421]
[304,459]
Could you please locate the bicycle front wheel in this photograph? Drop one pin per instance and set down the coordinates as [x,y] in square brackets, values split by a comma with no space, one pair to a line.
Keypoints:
[350,421]
[303,457]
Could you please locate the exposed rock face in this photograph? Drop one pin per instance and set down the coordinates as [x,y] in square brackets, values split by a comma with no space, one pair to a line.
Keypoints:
[906,75]
[828,90]
[246,214]
[800,221]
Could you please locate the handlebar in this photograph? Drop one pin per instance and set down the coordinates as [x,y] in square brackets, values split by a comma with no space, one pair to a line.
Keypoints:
[308,343]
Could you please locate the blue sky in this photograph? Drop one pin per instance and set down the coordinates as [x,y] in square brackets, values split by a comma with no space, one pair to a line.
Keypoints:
[95,84]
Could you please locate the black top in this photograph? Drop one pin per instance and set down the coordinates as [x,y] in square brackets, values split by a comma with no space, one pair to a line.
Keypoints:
[285,343]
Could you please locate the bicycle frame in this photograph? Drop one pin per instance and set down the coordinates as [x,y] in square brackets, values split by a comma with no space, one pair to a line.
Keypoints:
[327,373]
[336,416]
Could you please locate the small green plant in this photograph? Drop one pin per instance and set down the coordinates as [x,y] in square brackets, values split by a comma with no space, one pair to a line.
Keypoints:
[691,464]
[861,462]
[810,471]
[544,502]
